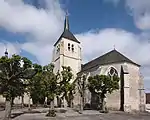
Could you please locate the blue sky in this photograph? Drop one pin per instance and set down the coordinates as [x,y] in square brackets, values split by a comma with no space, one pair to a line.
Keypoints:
[30,28]
[97,14]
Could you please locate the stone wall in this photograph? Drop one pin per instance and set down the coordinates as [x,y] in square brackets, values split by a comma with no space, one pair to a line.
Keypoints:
[134,86]
[131,86]
[17,100]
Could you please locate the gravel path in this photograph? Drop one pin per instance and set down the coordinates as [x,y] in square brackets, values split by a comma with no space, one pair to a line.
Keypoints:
[87,115]
[109,116]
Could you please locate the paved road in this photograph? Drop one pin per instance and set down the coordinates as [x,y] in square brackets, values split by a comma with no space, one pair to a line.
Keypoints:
[87,115]
[109,116]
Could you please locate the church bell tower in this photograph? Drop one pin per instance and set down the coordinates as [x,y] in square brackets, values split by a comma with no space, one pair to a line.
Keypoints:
[67,51]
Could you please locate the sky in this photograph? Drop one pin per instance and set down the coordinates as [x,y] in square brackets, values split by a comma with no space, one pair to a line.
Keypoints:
[31,27]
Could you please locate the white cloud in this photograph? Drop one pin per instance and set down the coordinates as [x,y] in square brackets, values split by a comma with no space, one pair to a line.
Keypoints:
[23,18]
[102,41]
[43,52]
[131,45]
[140,9]
[45,26]
[12,48]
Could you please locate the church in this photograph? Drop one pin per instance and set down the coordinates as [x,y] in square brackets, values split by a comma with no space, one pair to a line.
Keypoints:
[67,52]
[129,97]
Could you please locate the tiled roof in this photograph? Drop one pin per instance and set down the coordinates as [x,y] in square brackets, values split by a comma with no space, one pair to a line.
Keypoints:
[111,57]
[67,34]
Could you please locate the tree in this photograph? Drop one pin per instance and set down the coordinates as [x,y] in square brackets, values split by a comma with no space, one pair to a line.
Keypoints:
[101,85]
[49,86]
[35,87]
[81,82]
[66,85]
[12,75]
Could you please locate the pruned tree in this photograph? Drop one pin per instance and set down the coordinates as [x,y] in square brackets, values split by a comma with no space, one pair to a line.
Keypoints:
[81,83]
[101,85]
[66,85]
[49,86]
[34,87]
[12,75]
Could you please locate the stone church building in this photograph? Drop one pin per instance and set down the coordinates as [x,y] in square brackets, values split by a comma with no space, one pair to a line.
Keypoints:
[67,52]
[129,97]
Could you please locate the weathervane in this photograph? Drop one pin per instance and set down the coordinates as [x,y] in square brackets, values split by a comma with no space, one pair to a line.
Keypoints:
[66,7]
[66,25]
[67,13]
[114,47]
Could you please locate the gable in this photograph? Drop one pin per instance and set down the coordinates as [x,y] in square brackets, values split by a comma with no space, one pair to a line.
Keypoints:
[108,58]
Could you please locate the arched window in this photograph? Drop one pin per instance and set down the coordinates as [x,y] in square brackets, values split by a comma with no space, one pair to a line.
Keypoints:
[69,46]
[58,47]
[72,48]
[112,72]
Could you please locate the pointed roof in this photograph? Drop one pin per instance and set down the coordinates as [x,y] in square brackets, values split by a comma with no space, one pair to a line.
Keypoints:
[6,53]
[66,24]
[66,33]
[111,57]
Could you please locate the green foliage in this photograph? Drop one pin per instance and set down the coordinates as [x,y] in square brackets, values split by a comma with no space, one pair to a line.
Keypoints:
[35,88]
[102,84]
[66,87]
[12,75]
[43,84]
[49,82]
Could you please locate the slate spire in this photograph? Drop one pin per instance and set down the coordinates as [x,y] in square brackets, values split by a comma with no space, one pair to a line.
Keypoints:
[66,24]
[66,33]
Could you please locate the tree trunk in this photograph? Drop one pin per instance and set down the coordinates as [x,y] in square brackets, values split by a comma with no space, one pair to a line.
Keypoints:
[58,102]
[71,104]
[67,100]
[52,105]
[22,101]
[62,103]
[99,107]
[83,93]
[7,109]
[29,104]
[103,105]
[51,112]
[103,102]
[81,104]
[71,97]
[83,99]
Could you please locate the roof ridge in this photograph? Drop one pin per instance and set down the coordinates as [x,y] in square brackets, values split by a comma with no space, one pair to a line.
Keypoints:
[124,56]
[112,56]
[99,56]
